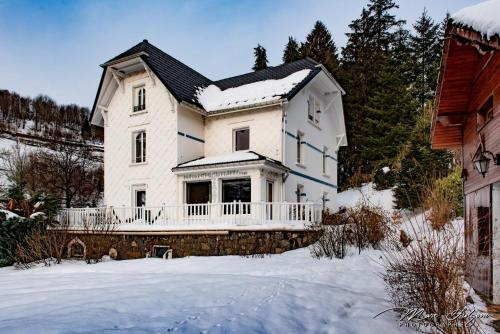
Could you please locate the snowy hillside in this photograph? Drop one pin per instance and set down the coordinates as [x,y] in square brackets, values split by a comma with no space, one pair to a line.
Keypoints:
[366,192]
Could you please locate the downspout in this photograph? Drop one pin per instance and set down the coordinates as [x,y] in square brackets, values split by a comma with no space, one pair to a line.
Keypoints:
[283,146]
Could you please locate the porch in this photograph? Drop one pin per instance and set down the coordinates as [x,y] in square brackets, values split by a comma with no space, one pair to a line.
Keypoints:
[196,217]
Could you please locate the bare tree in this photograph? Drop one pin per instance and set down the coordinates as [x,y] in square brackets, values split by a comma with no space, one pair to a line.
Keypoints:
[67,170]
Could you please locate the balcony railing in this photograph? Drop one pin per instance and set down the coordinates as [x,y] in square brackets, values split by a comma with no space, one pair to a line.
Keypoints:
[199,215]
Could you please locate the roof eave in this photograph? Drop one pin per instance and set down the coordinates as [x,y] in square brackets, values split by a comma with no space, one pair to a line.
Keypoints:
[250,163]
[122,59]
[247,107]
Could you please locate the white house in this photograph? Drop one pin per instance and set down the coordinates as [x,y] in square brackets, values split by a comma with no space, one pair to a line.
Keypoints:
[174,137]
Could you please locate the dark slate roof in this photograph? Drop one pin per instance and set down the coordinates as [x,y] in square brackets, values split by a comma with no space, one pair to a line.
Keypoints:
[276,72]
[180,79]
[183,82]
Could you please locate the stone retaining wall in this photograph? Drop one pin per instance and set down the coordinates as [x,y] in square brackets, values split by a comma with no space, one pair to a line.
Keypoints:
[209,243]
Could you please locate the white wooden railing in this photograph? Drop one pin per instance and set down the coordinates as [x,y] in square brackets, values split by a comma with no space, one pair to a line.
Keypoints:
[209,214]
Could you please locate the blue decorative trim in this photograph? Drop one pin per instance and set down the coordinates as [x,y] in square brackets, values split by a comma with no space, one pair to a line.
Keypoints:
[313,179]
[313,147]
[310,145]
[331,157]
[291,135]
[190,137]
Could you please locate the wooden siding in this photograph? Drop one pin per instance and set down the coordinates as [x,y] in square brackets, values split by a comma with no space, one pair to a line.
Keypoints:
[487,83]
[479,270]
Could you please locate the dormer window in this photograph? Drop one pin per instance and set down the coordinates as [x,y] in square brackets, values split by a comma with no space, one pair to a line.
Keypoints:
[139,98]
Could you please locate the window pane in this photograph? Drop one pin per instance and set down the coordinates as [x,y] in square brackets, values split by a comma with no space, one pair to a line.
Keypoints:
[140,198]
[143,146]
[138,147]
[310,109]
[236,190]
[299,148]
[242,139]
[198,192]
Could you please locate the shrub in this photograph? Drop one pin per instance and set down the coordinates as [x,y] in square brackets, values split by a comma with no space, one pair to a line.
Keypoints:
[332,243]
[382,177]
[357,179]
[44,244]
[361,226]
[428,275]
[98,238]
[13,232]
[444,199]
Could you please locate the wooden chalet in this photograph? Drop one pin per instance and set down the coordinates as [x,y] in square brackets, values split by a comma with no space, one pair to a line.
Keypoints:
[467,117]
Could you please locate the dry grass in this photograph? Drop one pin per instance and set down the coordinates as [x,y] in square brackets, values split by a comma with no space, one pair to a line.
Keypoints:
[98,238]
[44,244]
[428,275]
[362,226]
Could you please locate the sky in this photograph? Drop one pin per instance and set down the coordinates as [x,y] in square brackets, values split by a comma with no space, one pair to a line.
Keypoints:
[55,47]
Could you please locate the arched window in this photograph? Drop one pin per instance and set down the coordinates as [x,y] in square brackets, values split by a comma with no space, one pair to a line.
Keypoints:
[140,100]
[139,147]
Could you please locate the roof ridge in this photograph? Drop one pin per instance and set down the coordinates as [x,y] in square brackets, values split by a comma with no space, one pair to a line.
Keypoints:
[277,67]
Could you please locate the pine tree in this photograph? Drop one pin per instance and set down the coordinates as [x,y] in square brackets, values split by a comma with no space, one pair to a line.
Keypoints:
[260,58]
[291,52]
[379,108]
[425,47]
[319,46]
[418,164]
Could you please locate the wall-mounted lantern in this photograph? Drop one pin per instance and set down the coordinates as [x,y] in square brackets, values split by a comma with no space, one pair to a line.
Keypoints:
[482,162]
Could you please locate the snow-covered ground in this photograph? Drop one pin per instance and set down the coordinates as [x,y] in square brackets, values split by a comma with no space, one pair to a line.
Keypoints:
[287,293]
[366,192]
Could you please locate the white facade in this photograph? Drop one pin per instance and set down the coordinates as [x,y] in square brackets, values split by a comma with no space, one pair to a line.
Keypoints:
[177,133]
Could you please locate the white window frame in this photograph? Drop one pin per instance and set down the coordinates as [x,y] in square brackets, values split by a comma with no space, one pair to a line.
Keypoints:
[143,158]
[325,161]
[136,99]
[313,110]
[300,149]
[136,188]
[234,138]
[310,108]
[317,112]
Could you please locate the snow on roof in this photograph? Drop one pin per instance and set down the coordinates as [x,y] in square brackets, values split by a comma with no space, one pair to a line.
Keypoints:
[483,17]
[213,98]
[225,158]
